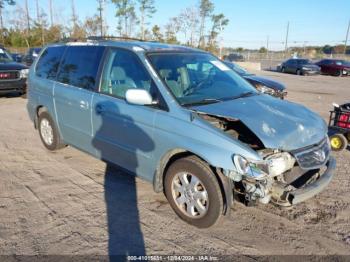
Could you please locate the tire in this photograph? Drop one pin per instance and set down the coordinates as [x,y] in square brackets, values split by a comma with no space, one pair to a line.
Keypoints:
[190,168]
[48,132]
[283,70]
[339,73]
[338,142]
[298,72]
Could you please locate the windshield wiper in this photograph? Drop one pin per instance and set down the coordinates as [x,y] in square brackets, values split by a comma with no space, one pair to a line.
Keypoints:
[203,102]
[245,94]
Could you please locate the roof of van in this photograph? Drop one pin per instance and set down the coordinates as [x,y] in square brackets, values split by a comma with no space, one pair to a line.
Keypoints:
[134,45]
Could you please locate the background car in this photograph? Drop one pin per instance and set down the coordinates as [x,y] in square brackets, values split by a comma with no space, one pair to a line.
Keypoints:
[13,75]
[299,66]
[335,67]
[31,55]
[234,57]
[17,57]
[262,84]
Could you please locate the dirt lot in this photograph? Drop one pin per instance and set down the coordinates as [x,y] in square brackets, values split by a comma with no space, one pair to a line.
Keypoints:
[63,203]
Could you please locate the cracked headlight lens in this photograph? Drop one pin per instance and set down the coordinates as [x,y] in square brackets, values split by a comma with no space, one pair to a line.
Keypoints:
[248,169]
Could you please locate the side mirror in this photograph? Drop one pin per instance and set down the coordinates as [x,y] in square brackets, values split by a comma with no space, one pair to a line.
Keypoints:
[139,97]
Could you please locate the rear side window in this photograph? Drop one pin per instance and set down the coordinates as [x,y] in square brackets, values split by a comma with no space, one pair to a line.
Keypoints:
[49,62]
[80,65]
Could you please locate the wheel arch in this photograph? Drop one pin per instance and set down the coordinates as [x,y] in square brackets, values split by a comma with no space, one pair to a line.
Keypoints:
[171,156]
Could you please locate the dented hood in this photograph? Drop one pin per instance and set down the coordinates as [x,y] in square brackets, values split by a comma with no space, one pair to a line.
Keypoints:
[279,124]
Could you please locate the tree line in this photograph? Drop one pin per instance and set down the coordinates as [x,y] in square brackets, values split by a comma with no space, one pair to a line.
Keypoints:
[198,25]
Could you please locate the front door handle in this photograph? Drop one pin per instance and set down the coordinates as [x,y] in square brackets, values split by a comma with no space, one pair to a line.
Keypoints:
[100,109]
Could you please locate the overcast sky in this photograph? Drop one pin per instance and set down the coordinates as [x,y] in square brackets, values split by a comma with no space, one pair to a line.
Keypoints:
[316,22]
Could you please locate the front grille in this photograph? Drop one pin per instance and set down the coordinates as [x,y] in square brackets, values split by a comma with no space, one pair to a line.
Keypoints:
[314,157]
[9,75]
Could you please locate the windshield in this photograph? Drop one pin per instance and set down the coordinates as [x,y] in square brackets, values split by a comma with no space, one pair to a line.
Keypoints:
[303,61]
[4,56]
[199,78]
[342,62]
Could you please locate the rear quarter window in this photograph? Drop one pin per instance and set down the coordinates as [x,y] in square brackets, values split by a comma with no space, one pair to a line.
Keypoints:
[49,61]
[80,65]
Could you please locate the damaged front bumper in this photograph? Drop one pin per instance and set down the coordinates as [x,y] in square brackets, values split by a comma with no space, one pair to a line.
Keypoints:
[310,190]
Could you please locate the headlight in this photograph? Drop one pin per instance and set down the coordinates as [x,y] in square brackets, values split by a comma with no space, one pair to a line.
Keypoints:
[273,165]
[248,169]
[279,163]
[24,73]
[264,89]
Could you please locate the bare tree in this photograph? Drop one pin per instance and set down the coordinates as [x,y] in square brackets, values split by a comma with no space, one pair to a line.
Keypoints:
[189,24]
[147,9]
[206,8]
[172,28]
[2,6]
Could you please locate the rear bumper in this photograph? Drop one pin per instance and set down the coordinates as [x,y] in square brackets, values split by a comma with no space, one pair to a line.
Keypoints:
[13,86]
[310,190]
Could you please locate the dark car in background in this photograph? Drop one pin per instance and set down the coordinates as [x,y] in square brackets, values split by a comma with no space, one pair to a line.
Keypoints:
[17,57]
[262,84]
[299,66]
[31,55]
[13,75]
[335,67]
[234,57]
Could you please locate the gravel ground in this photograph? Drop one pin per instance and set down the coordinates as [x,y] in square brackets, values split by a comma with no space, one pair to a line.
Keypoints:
[67,202]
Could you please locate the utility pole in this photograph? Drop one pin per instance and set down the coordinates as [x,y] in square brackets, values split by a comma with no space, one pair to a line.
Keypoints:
[100,9]
[1,26]
[27,16]
[286,46]
[51,12]
[221,39]
[267,46]
[304,47]
[346,38]
[37,11]
[74,16]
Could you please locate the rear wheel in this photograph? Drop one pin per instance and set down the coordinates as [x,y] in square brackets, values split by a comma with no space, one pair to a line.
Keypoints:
[194,192]
[283,70]
[48,132]
[338,142]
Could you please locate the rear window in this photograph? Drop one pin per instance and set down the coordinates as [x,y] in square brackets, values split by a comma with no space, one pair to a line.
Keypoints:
[49,61]
[80,65]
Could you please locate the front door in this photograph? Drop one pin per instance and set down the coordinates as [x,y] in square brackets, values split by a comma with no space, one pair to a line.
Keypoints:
[123,133]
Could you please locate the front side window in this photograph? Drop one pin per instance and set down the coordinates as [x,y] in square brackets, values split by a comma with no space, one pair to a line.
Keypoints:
[123,71]
[80,65]
[199,78]
[49,62]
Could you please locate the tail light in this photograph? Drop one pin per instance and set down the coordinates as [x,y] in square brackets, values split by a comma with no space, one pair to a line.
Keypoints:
[343,121]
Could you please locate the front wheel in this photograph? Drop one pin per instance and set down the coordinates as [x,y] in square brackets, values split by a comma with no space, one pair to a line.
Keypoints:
[194,192]
[339,73]
[299,73]
[48,132]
